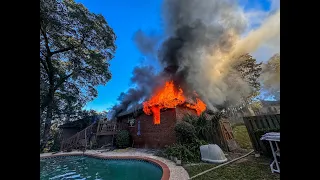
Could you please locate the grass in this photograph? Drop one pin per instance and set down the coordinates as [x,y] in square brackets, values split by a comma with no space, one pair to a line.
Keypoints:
[242,137]
[250,169]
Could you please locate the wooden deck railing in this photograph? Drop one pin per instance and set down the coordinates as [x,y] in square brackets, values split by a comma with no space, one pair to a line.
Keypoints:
[106,128]
[81,139]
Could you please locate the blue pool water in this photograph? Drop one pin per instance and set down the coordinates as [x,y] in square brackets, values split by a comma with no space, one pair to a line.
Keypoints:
[87,168]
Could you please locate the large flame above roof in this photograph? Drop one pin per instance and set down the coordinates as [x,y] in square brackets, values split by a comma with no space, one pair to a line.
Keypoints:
[169,97]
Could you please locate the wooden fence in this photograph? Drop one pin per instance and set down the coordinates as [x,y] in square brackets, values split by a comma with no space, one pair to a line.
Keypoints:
[254,123]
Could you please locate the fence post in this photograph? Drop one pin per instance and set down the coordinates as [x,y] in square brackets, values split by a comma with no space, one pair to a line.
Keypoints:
[250,132]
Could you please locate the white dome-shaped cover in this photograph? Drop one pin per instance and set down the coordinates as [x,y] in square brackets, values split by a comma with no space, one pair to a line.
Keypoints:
[212,153]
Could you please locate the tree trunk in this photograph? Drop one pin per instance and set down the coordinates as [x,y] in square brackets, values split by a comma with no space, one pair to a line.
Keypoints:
[68,112]
[47,125]
[45,103]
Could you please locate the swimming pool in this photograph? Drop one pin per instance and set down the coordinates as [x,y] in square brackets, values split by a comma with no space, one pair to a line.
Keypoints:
[90,168]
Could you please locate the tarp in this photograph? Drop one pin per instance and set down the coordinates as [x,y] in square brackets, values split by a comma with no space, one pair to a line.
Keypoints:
[272,136]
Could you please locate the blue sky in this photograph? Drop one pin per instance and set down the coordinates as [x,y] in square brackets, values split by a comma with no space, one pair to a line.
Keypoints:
[126,17]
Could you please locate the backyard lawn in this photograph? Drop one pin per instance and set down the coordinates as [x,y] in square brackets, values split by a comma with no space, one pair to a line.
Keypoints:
[249,168]
[242,137]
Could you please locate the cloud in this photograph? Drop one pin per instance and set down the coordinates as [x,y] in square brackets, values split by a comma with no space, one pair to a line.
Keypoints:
[256,16]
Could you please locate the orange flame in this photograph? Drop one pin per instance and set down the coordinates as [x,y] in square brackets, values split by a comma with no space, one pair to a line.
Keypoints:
[169,97]
[200,106]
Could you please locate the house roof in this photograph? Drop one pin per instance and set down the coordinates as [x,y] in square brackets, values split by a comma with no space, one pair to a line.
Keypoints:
[131,110]
[139,107]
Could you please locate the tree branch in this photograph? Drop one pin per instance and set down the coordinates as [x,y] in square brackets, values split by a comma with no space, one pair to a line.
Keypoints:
[44,65]
[46,41]
[63,50]
[48,56]
[69,48]
[43,53]
[62,80]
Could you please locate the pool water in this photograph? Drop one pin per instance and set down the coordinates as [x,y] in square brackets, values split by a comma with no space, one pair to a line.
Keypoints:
[86,168]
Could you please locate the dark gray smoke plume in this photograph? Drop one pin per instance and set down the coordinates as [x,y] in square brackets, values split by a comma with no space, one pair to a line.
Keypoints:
[197,26]
[147,43]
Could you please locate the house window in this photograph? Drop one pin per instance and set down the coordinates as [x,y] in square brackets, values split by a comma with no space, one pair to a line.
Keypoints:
[139,133]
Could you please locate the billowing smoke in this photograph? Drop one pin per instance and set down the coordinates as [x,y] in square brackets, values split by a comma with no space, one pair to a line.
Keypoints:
[147,43]
[211,81]
[203,40]
[198,29]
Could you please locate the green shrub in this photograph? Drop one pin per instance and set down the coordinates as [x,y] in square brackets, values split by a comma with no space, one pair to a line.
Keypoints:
[181,152]
[185,132]
[188,144]
[194,148]
[56,143]
[123,139]
[185,152]
[191,119]
[204,127]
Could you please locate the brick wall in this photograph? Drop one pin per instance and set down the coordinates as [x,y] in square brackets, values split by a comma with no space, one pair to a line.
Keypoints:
[157,136]
[154,136]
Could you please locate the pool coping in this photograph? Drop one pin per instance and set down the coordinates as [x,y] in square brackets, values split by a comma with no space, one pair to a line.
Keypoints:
[164,167]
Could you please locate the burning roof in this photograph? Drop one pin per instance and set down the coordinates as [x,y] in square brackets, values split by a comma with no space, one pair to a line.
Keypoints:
[139,108]
[169,96]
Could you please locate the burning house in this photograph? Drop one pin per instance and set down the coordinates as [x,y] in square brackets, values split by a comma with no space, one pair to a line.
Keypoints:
[199,54]
[155,119]
[152,123]
[199,51]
